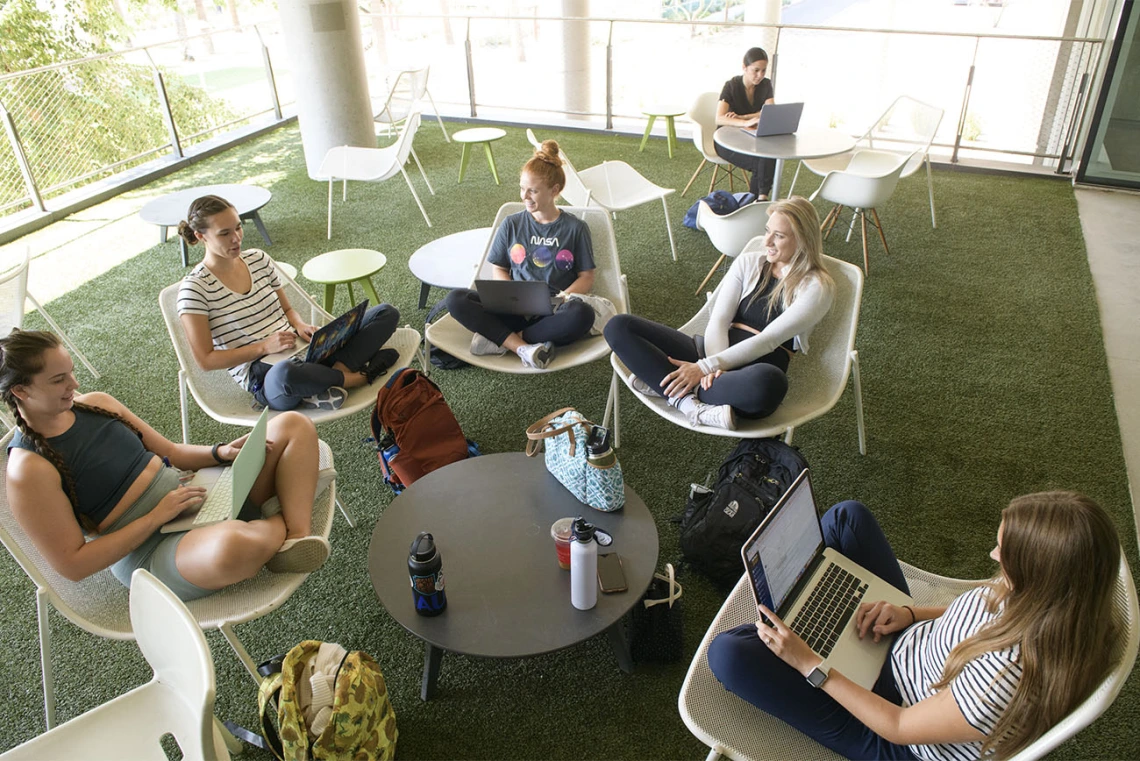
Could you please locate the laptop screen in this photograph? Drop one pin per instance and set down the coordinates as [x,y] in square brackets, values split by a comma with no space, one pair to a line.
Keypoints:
[779,553]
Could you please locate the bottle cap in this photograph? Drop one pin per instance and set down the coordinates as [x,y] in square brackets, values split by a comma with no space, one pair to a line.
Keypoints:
[423,547]
[598,442]
[583,531]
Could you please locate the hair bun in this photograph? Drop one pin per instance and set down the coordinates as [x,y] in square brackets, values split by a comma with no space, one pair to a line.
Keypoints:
[549,152]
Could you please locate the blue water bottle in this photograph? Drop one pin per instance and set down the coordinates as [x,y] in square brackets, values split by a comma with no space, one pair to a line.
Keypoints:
[426,570]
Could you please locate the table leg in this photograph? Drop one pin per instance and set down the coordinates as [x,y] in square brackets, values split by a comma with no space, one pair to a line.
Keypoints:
[330,296]
[256,216]
[620,645]
[491,162]
[185,254]
[366,284]
[433,656]
[648,129]
[162,231]
[425,289]
[671,134]
[775,194]
[351,295]
[463,159]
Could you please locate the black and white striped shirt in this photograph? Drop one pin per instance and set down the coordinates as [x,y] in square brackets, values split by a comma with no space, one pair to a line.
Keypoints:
[236,319]
[982,689]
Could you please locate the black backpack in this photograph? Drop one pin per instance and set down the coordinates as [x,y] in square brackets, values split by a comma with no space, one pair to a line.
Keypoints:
[718,520]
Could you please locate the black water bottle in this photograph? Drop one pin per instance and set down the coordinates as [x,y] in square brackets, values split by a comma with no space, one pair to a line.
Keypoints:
[426,569]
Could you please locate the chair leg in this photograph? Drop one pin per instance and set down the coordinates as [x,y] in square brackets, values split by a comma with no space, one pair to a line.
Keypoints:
[233,745]
[425,354]
[838,210]
[859,402]
[347,517]
[879,227]
[437,116]
[63,336]
[863,221]
[669,228]
[824,226]
[609,401]
[612,404]
[182,402]
[714,753]
[691,179]
[415,196]
[239,650]
[421,168]
[789,432]
[45,656]
[930,190]
[851,227]
[731,182]
[709,276]
[796,176]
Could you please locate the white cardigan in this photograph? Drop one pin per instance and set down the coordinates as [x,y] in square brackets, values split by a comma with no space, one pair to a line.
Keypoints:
[809,305]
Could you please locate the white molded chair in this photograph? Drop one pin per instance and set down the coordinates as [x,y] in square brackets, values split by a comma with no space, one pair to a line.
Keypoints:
[703,115]
[609,282]
[13,297]
[816,379]
[907,127]
[738,730]
[613,185]
[730,233]
[867,183]
[179,700]
[407,94]
[98,604]
[347,162]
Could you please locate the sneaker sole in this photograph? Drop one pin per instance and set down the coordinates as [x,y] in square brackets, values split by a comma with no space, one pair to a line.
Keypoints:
[542,357]
[306,556]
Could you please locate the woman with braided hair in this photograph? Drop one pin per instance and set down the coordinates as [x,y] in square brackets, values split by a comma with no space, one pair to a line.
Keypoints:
[85,465]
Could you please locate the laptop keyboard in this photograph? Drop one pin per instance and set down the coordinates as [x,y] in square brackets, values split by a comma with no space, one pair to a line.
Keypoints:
[828,609]
[219,501]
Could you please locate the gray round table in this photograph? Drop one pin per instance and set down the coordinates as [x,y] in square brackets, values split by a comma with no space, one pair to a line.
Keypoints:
[506,595]
[168,210]
[449,262]
[803,144]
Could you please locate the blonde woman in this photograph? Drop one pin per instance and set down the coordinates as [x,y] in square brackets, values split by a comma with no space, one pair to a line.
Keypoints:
[762,314]
[984,676]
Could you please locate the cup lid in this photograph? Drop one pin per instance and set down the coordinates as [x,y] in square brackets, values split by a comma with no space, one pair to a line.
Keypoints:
[561,529]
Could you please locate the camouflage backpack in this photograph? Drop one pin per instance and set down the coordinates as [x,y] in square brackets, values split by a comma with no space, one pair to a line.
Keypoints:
[362,726]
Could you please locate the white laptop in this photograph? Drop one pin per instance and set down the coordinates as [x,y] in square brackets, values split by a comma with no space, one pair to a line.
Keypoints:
[227,486]
[792,572]
[777,119]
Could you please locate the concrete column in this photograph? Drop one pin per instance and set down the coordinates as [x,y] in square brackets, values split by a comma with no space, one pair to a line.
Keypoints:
[576,57]
[762,12]
[327,60]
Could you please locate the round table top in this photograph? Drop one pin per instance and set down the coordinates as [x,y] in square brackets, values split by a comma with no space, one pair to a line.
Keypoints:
[804,144]
[287,268]
[344,266]
[451,261]
[657,109]
[170,209]
[478,135]
[506,595]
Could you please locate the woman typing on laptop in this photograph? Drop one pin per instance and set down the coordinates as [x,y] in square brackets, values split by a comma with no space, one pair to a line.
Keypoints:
[741,99]
[86,466]
[235,312]
[986,675]
[542,244]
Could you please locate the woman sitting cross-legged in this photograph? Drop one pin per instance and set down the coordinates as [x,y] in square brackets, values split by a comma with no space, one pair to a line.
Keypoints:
[235,312]
[762,313]
[983,677]
[85,465]
[542,243]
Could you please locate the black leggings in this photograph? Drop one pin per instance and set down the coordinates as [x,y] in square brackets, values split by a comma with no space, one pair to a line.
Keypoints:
[571,320]
[754,390]
[763,170]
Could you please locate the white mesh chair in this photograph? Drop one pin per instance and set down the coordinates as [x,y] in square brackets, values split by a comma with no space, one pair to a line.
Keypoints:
[907,128]
[98,604]
[738,730]
[347,162]
[609,282]
[703,115]
[407,94]
[179,700]
[816,379]
[730,233]
[613,185]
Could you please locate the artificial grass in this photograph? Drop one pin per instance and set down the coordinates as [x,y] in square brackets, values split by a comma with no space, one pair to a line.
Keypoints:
[984,377]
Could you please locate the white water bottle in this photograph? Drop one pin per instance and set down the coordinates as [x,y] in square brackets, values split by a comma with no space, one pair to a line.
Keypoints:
[583,565]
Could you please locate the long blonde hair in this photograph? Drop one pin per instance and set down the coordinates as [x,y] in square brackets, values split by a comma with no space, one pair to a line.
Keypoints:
[1060,556]
[806,262]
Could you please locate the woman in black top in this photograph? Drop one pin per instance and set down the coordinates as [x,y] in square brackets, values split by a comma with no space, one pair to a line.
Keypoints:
[741,99]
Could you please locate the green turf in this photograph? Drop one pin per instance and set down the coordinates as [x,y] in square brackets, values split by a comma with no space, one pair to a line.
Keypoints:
[984,377]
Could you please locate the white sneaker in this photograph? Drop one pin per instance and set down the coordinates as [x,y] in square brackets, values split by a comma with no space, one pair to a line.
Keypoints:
[482,346]
[537,356]
[712,415]
[642,387]
[332,398]
[303,555]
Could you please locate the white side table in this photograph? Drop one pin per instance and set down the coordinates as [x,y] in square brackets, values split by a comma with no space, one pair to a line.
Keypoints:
[449,262]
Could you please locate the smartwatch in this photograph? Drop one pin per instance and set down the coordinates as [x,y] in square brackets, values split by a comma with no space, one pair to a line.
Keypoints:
[818,676]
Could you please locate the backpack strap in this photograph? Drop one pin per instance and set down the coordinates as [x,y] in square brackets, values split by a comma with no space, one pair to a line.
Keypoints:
[539,430]
[269,690]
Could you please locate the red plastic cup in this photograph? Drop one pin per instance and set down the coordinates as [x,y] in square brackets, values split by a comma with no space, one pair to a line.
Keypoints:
[560,531]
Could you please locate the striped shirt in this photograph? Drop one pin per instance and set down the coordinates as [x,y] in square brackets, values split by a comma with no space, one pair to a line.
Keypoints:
[982,689]
[236,319]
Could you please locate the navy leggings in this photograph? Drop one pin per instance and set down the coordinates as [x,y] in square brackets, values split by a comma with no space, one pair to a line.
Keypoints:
[644,346]
[763,170]
[287,383]
[571,320]
[747,668]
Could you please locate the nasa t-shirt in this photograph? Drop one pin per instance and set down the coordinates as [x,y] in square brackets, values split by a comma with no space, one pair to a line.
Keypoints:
[554,253]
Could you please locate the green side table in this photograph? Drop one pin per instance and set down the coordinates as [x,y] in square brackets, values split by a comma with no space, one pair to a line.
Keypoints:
[484,135]
[669,113]
[347,266]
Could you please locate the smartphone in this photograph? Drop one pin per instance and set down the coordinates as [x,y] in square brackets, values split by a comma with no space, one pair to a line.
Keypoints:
[611,575]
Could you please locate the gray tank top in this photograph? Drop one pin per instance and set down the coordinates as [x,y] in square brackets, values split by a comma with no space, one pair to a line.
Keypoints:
[104,457]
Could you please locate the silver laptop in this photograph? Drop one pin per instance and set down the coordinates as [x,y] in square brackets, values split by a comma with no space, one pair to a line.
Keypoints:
[777,119]
[227,486]
[525,297]
[814,589]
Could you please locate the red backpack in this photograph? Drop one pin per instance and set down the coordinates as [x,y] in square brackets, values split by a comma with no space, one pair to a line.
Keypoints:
[422,432]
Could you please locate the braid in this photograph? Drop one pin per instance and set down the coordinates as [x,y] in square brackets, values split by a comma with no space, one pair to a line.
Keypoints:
[107,413]
[43,449]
